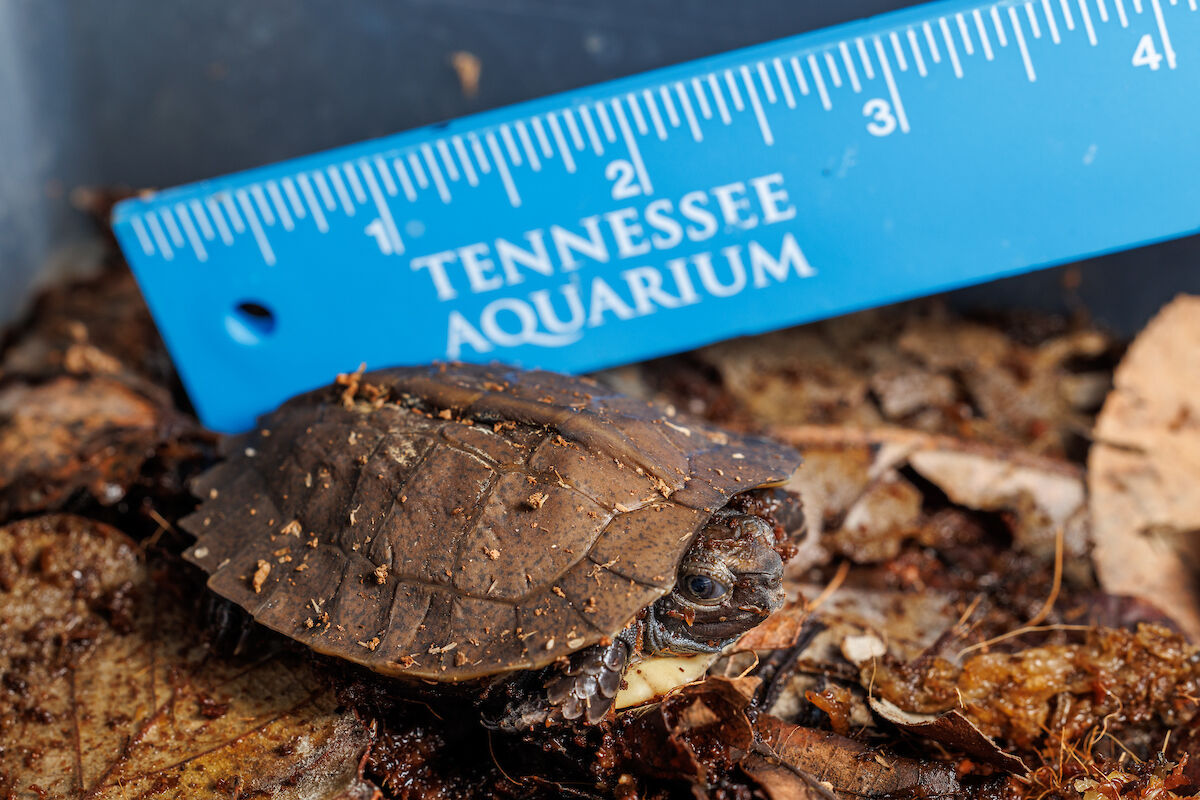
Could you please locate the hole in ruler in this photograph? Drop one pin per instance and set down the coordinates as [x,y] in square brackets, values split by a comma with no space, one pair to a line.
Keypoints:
[250,322]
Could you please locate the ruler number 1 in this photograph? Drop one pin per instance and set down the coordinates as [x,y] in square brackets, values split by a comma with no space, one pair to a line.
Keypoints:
[1146,54]
[883,121]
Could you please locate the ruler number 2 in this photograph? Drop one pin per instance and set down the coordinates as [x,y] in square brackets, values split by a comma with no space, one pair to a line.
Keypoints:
[624,178]
[883,121]
[1146,54]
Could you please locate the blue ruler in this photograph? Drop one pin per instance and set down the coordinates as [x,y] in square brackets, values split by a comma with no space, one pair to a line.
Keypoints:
[929,148]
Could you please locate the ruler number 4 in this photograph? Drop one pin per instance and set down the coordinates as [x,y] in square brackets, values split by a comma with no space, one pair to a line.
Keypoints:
[883,121]
[1146,54]
[624,178]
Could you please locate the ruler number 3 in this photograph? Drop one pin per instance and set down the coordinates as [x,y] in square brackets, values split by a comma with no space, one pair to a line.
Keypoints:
[883,121]
[1146,54]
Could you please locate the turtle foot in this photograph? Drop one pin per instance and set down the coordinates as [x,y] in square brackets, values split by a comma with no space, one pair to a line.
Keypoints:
[588,686]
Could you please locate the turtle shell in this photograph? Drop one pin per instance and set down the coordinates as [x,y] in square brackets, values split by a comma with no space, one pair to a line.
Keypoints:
[455,521]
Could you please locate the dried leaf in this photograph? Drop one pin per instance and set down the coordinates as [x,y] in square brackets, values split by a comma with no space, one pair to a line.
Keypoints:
[109,692]
[953,730]
[1145,467]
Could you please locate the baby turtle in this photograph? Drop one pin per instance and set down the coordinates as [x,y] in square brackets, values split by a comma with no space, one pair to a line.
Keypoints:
[458,522]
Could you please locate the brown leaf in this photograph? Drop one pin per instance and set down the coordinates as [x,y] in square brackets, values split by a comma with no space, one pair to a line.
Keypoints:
[1145,467]
[953,730]
[108,692]
[694,734]
[857,499]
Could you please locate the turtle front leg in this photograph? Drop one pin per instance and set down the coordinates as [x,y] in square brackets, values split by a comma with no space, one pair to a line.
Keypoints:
[589,685]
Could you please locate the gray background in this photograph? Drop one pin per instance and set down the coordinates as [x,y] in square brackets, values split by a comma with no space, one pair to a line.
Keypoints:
[158,92]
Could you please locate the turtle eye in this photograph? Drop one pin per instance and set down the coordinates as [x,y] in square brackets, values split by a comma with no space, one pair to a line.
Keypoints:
[704,588]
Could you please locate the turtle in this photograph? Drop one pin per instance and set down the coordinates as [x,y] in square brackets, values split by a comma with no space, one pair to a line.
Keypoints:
[457,523]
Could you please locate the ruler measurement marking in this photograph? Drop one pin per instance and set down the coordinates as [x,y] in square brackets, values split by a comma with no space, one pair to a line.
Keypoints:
[323,188]
[418,171]
[901,61]
[590,127]
[701,98]
[510,146]
[886,69]
[255,228]
[1020,37]
[289,189]
[1031,14]
[734,93]
[385,213]
[235,219]
[635,155]
[655,117]
[1121,13]
[851,72]
[185,219]
[436,174]
[861,46]
[1137,6]
[765,80]
[834,74]
[639,119]
[752,93]
[1068,18]
[560,141]
[535,163]
[464,158]
[669,106]
[1087,22]
[447,160]
[983,37]
[159,238]
[405,182]
[1001,37]
[201,219]
[718,98]
[214,211]
[340,189]
[277,199]
[1053,26]
[934,53]
[539,132]
[510,188]
[968,48]
[819,81]
[610,133]
[485,166]
[1162,30]
[355,184]
[573,129]
[789,99]
[915,47]
[688,113]
[798,71]
[1102,7]
[143,238]
[951,50]
[257,193]
[313,206]
[168,219]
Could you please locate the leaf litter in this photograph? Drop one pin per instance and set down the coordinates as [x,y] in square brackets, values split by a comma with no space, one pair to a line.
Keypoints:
[947,634]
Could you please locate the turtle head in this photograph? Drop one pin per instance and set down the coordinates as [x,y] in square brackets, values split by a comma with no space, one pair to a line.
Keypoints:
[730,580]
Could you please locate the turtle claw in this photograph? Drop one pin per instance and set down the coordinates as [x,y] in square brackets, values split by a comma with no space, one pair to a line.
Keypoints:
[588,686]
